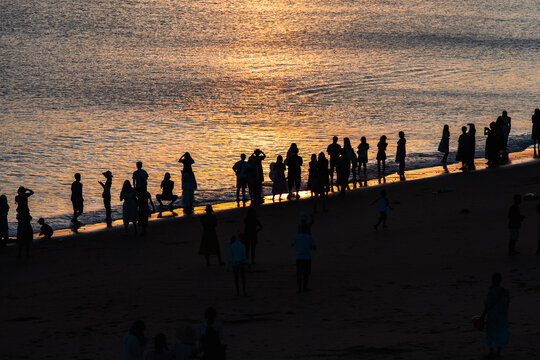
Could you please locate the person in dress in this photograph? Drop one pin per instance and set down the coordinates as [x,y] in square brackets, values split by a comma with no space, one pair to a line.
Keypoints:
[536,131]
[444,144]
[277,175]
[400,155]
[167,188]
[46,230]
[495,316]
[134,341]
[381,154]
[363,148]
[77,199]
[4,227]
[311,173]
[185,348]
[189,183]
[252,226]
[237,260]
[25,233]
[106,195]
[304,243]
[209,242]
[130,206]
[160,350]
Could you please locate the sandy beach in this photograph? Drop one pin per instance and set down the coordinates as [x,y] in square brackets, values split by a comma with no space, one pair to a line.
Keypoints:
[405,292]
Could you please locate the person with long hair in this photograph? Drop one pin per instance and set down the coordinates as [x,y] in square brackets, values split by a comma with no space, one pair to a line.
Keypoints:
[381,154]
[189,183]
[25,233]
[277,175]
[444,144]
[130,206]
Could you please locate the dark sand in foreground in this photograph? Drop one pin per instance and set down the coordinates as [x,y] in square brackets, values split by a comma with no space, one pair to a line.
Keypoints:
[406,292]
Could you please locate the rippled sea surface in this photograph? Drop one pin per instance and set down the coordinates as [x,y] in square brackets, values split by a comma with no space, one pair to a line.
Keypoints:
[92,86]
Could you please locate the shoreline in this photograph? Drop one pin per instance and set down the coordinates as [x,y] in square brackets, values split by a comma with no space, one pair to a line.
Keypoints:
[410,175]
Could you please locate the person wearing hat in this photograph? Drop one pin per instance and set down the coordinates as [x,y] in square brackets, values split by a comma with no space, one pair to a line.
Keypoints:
[106,195]
[185,347]
[209,242]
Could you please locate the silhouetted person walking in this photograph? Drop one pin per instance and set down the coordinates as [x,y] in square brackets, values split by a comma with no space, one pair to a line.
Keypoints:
[46,230]
[236,258]
[252,226]
[536,131]
[277,175]
[106,195]
[400,155]
[363,148]
[130,206]
[506,127]
[240,168]
[77,199]
[334,151]
[4,226]
[140,178]
[167,188]
[514,224]
[189,183]
[382,205]
[209,243]
[444,144]
[496,316]
[381,154]
[294,164]
[304,243]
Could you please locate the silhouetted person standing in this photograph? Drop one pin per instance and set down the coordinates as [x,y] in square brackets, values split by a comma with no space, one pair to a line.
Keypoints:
[252,226]
[143,199]
[351,159]
[514,224]
[494,143]
[471,147]
[294,164]
[400,155]
[189,183]
[240,168]
[140,178]
[167,188]
[209,243]
[363,148]
[236,258]
[343,171]
[77,199]
[496,316]
[277,175]
[444,145]
[506,127]
[304,243]
[4,226]
[106,195]
[25,233]
[382,205]
[45,230]
[538,246]
[462,148]
[253,181]
[321,181]
[334,151]
[381,154]
[536,131]
[130,206]
[134,342]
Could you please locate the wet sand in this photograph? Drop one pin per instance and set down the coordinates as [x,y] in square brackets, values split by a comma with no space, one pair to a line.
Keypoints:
[406,292]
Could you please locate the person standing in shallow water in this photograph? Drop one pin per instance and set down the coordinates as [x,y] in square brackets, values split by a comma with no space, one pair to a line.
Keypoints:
[77,199]
[334,151]
[514,224]
[4,227]
[381,154]
[363,148]
[209,242]
[536,131]
[106,195]
[277,175]
[320,182]
[400,155]
[444,145]
[189,183]
[496,316]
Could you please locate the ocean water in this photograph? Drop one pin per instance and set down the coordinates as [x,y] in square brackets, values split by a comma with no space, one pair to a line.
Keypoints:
[94,86]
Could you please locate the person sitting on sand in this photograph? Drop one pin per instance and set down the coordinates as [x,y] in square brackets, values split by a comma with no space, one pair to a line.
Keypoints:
[514,224]
[209,243]
[167,186]
[236,258]
[363,148]
[383,205]
[4,226]
[46,230]
[77,199]
[304,243]
[496,316]
[106,195]
[381,154]
[400,155]
[134,342]
[185,348]
[160,350]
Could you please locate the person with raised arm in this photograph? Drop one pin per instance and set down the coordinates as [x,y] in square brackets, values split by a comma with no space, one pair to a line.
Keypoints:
[189,183]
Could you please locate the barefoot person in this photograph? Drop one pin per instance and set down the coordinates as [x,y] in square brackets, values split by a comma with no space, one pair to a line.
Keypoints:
[496,316]
[514,224]
[536,131]
[129,208]
[77,199]
[383,205]
[209,243]
[106,195]
[25,232]
[4,227]
[304,243]
[252,226]
[444,144]
[400,155]
[240,169]
[236,258]
[334,151]
[381,154]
